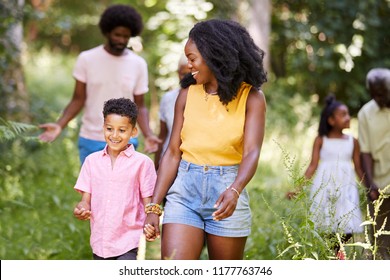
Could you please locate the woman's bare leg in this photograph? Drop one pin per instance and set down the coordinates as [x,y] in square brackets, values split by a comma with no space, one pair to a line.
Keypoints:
[181,242]
[225,248]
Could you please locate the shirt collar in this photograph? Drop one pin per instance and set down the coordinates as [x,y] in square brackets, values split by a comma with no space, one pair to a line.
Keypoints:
[128,152]
[379,109]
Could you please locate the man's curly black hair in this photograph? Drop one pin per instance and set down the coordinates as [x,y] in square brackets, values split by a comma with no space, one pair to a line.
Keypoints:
[121,106]
[230,53]
[121,15]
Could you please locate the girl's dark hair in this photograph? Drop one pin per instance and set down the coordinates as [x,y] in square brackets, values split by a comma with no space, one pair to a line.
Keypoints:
[230,53]
[121,15]
[123,107]
[331,104]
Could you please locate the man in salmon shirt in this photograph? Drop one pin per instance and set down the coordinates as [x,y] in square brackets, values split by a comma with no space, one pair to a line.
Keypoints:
[107,71]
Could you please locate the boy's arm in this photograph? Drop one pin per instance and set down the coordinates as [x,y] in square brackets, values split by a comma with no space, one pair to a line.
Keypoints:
[147,200]
[149,231]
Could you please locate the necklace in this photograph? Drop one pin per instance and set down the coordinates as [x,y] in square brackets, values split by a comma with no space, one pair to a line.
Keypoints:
[206,94]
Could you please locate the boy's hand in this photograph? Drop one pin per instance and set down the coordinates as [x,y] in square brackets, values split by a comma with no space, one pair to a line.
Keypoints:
[82,211]
[150,233]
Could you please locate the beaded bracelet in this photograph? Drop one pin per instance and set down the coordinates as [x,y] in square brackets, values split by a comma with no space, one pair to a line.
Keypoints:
[233,189]
[153,208]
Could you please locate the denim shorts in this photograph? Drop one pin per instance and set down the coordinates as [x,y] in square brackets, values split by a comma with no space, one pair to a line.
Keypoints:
[192,197]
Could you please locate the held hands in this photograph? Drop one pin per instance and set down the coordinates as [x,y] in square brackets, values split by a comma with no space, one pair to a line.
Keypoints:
[151,227]
[373,193]
[226,204]
[300,185]
[150,233]
[82,211]
[52,131]
[152,221]
[292,195]
[151,144]
[295,193]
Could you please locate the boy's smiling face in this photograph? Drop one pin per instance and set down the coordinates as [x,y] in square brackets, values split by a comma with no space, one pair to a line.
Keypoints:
[117,132]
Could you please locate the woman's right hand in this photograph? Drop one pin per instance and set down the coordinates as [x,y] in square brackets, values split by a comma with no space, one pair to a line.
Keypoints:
[152,227]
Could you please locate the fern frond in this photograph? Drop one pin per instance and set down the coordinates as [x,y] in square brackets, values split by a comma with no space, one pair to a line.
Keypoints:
[10,130]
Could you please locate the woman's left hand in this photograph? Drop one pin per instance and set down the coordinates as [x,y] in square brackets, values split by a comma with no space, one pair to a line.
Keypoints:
[226,204]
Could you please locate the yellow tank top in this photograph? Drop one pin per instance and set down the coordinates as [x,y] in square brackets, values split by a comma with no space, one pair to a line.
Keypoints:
[213,133]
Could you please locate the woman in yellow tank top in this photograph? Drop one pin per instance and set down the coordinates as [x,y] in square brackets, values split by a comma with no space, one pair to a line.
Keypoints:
[214,149]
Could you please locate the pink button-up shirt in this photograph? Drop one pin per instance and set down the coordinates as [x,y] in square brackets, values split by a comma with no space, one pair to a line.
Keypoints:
[117,210]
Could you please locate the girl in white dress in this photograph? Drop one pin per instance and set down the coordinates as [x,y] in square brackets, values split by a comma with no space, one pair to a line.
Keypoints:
[334,194]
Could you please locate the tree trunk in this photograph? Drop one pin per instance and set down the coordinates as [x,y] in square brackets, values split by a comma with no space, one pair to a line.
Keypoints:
[14,103]
[259,26]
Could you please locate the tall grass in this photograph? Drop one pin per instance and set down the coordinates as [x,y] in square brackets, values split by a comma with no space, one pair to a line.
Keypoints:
[371,233]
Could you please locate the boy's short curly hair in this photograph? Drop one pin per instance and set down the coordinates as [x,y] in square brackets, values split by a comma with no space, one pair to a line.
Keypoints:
[121,15]
[123,107]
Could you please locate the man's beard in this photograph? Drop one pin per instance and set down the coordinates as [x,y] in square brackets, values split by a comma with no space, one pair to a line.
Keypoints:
[118,48]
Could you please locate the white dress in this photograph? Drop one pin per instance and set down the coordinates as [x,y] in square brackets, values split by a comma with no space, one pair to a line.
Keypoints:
[334,193]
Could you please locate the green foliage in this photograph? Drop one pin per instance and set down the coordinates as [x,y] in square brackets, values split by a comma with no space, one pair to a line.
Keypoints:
[37,201]
[50,84]
[10,130]
[371,233]
[330,53]
[302,240]
[36,179]
[70,26]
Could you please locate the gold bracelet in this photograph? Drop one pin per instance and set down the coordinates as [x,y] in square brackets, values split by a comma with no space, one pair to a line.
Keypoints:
[153,208]
[233,189]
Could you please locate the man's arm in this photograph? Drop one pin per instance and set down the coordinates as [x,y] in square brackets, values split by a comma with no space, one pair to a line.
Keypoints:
[368,167]
[151,140]
[53,130]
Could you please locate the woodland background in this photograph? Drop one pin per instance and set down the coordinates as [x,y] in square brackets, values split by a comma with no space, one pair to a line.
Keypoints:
[313,48]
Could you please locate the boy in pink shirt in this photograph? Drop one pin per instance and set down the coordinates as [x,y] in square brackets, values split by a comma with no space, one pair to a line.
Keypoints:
[116,184]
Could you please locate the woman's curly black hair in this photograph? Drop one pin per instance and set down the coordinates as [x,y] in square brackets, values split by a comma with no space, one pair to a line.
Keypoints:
[331,104]
[123,107]
[230,53]
[121,15]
